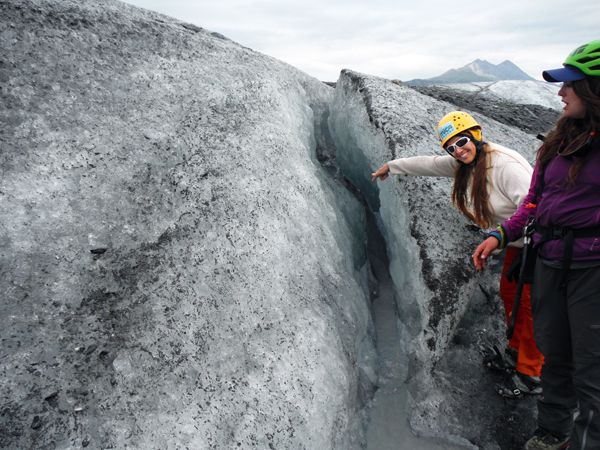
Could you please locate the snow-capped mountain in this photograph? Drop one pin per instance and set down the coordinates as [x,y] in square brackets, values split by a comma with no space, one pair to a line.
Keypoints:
[478,70]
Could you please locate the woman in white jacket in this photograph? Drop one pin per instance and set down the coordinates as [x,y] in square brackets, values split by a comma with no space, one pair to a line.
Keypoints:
[490,183]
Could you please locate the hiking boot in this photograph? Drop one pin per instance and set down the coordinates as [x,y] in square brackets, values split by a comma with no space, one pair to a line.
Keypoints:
[519,385]
[493,359]
[544,440]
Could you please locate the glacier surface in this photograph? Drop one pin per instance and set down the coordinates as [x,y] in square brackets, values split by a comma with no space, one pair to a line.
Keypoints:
[520,92]
[192,253]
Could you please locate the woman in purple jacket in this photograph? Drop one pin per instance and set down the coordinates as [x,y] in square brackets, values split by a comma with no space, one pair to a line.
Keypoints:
[564,197]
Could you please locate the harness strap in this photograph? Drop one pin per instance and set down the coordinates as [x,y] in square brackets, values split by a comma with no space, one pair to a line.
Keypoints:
[567,235]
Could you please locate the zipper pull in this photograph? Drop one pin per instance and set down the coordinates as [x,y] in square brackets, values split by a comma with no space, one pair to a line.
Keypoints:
[593,243]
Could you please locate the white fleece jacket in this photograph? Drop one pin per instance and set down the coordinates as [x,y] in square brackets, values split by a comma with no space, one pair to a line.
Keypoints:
[508,176]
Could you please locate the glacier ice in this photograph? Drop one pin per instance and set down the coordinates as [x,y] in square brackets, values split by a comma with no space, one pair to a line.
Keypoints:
[521,92]
[227,304]
[228,308]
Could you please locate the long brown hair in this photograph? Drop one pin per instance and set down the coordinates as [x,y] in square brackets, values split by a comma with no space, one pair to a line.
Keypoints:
[573,133]
[478,197]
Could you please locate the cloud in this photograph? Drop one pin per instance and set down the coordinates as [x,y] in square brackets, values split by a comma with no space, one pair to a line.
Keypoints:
[397,39]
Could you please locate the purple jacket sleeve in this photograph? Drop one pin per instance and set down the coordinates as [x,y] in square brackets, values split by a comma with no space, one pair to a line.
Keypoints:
[513,227]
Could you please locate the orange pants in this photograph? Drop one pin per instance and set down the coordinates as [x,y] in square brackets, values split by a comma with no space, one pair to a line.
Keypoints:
[530,359]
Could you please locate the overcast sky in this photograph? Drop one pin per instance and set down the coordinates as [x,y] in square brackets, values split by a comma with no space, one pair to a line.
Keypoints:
[397,39]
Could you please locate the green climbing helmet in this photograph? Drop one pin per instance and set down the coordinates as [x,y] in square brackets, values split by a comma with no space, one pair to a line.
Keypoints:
[582,62]
[586,58]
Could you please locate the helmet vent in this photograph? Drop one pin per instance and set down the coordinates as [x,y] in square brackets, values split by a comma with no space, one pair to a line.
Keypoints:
[587,59]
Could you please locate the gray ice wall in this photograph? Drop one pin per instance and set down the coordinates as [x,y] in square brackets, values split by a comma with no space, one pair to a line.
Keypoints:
[177,270]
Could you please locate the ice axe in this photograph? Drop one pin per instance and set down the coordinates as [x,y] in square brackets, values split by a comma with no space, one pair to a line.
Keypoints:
[528,230]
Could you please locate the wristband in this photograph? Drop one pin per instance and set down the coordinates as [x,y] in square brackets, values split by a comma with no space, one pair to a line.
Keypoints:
[499,234]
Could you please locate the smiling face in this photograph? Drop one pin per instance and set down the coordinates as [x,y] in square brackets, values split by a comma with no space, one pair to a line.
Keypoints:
[574,107]
[465,154]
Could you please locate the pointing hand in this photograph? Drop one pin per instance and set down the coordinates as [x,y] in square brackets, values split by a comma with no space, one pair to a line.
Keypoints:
[382,173]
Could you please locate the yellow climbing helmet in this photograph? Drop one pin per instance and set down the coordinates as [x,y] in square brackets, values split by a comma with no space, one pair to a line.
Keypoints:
[457,122]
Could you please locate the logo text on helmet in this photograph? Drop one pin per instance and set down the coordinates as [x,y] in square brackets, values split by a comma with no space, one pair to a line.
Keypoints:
[446,129]
[578,50]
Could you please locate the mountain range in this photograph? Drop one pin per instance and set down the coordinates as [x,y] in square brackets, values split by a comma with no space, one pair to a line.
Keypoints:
[478,70]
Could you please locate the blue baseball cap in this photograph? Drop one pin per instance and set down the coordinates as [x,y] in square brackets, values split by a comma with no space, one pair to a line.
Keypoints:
[566,73]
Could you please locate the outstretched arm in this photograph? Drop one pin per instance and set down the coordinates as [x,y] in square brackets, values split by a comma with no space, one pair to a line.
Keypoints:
[428,166]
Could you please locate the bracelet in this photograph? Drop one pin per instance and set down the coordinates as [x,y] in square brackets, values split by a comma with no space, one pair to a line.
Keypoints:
[499,234]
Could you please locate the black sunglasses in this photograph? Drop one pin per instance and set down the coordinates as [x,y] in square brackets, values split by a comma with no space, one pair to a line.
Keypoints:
[451,149]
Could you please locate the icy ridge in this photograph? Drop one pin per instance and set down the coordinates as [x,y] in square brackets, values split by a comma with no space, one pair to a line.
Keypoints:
[440,298]
[390,125]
